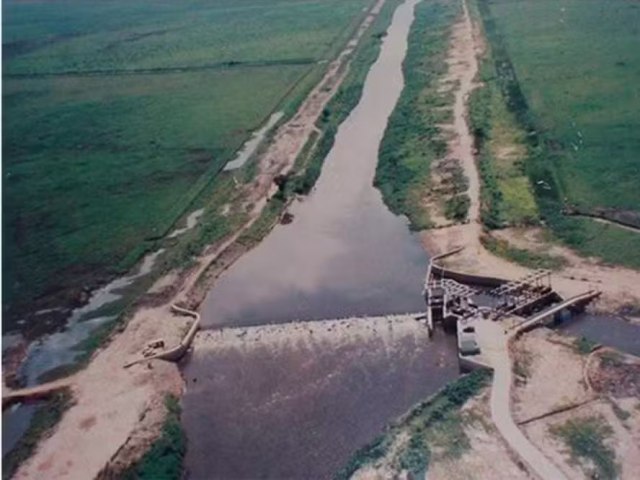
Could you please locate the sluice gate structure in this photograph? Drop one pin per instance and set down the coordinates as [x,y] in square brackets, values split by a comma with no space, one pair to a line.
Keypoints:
[455,299]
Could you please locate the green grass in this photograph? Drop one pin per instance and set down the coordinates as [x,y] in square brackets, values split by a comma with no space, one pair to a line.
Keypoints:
[586,438]
[507,198]
[435,424]
[164,460]
[45,417]
[526,258]
[119,115]
[583,345]
[412,140]
[74,35]
[568,73]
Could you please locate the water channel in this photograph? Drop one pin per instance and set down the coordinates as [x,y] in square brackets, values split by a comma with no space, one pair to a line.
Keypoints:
[299,410]
[344,253]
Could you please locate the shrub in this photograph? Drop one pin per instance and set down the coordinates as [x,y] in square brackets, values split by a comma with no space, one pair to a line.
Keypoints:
[457,208]
[165,458]
[585,438]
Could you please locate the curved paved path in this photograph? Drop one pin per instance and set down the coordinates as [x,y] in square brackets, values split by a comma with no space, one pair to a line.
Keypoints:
[490,335]
[494,343]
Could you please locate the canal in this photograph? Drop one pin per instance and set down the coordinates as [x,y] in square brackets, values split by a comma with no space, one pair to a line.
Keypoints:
[300,405]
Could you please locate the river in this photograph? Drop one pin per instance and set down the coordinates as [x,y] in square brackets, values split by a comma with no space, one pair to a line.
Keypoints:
[344,253]
[301,409]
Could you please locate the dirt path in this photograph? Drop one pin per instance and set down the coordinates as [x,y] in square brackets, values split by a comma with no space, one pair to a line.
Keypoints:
[494,343]
[463,67]
[117,411]
[621,286]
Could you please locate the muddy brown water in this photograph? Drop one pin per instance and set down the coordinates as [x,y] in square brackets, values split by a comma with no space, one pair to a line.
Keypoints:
[302,410]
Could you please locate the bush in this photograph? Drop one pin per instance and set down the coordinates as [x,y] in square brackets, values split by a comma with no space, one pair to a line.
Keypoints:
[165,458]
[457,208]
[585,438]
[583,345]
[416,456]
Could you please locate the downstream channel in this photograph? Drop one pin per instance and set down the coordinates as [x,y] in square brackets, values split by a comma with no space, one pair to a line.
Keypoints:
[296,398]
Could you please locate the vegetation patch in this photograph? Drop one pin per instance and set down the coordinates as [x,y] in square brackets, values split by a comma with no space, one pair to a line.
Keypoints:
[44,419]
[507,197]
[526,258]
[165,458]
[435,428]
[457,208]
[586,439]
[583,345]
[263,225]
[412,140]
[567,136]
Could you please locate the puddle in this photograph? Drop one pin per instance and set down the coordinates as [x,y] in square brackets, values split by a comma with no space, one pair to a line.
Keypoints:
[192,221]
[251,145]
[60,349]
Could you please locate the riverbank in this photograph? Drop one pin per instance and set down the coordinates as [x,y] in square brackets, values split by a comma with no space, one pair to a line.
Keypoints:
[574,273]
[94,429]
[118,413]
[588,423]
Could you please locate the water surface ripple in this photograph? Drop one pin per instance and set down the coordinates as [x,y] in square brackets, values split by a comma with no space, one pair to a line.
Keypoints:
[345,253]
[301,408]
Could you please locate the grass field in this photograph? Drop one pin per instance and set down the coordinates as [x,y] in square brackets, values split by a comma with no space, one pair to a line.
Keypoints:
[412,140]
[117,115]
[569,74]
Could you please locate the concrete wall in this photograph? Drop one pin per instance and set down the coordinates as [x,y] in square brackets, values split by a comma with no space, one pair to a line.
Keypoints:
[467,278]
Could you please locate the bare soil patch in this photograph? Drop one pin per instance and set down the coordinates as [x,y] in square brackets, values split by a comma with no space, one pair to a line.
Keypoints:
[488,456]
[556,377]
[542,391]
